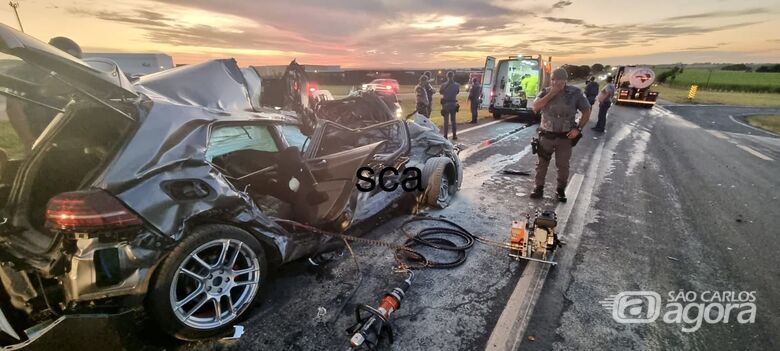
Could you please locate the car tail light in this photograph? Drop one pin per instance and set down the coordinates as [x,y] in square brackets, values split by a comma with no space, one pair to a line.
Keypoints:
[92,209]
[623,93]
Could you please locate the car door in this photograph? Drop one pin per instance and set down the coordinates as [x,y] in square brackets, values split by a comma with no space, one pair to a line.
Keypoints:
[382,145]
[487,81]
[333,173]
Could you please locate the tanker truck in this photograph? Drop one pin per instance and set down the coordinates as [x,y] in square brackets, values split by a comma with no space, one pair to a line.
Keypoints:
[633,86]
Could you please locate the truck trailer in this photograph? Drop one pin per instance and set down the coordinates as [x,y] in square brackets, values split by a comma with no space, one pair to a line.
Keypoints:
[633,86]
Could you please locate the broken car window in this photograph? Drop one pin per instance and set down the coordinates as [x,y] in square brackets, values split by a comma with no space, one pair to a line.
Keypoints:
[294,136]
[227,139]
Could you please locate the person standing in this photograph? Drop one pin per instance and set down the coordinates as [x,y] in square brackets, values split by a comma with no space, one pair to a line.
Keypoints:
[605,102]
[449,103]
[429,90]
[559,130]
[475,92]
[421,95]
[592,90]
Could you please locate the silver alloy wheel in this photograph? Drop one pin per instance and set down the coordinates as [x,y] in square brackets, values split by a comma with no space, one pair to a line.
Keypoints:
[215,284]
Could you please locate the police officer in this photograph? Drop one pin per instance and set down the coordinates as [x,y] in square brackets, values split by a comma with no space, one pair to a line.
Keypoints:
[475,92]
[429,90]
[558,131]
[449,103]
[591,90]
[423,104]
[605,101]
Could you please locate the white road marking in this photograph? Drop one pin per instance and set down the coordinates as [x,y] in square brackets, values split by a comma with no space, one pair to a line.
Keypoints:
[754,152]
[511,325]
[480,126]
[747,125]
[718,134]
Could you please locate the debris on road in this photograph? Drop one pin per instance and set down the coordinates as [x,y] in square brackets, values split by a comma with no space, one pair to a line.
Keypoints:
[515,172]
[673,258]
[238,332]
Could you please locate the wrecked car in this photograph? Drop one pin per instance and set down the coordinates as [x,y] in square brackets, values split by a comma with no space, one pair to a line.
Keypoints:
[171,196]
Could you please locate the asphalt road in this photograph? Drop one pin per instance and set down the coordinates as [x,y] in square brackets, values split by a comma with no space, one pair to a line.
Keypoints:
[667,200]
[683,198]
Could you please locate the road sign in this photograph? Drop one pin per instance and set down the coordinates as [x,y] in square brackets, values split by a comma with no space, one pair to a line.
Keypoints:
[692,92]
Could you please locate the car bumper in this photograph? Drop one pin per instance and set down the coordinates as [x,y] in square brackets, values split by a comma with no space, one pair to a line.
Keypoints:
[632,101]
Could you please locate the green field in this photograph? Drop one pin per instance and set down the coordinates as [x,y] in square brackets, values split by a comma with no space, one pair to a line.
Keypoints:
[720,80]
[680,95]
[9,141]
[768,122]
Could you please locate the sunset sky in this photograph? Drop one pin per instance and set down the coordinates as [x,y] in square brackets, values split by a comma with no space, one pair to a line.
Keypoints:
[414,33]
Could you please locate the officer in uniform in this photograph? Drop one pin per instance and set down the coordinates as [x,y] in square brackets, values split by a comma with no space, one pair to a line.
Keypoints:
[423,104]
[558,131]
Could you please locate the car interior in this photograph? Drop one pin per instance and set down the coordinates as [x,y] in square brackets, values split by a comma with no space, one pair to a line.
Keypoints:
[281,182]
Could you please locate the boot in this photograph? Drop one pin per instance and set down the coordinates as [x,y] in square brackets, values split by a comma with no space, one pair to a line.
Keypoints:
[561,194]
[538,192]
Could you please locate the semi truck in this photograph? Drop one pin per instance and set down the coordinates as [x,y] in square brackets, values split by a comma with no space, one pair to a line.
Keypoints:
[633,86]
[509,85]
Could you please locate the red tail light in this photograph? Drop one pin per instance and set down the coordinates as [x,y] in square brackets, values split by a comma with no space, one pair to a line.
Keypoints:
[93,209]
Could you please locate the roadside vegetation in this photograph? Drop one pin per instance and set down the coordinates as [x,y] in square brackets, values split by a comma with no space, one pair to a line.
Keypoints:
[9,141]
[768,122]
[722,80]
[680,95]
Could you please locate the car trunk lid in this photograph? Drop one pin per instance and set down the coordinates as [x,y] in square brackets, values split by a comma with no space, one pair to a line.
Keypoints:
[104,84]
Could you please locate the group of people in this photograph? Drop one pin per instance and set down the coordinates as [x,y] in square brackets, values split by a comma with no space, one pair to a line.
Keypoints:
[559,130]
[449,91]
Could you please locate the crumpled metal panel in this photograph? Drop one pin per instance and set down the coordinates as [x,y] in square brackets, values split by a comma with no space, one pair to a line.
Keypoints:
[138,175]
[216,84]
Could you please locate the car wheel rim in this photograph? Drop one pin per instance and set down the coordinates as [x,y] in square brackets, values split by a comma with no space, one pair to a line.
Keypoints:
[444,190]
[215,284]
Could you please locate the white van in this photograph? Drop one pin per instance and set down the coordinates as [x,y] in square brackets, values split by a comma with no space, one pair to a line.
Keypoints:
[509,86]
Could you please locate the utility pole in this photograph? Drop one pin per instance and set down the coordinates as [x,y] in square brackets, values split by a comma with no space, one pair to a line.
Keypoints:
[15,6]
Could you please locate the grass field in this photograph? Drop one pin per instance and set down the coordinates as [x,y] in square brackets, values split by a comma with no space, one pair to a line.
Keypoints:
[9,141]
[680,95]
[727,80]
[768,122]
[463,116]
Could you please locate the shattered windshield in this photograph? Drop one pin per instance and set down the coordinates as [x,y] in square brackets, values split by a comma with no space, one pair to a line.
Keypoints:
[28,102]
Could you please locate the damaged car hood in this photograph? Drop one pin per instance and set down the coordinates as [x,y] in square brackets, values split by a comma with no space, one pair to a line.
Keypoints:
[215,84]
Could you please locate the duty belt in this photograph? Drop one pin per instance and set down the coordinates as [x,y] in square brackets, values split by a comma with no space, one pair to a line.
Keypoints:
[552,135]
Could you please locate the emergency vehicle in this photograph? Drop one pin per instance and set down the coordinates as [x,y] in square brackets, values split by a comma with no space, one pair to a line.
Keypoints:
[510,85]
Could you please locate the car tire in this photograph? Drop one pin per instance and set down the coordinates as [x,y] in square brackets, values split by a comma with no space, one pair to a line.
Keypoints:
[218,269]
[496,115]
[439,183]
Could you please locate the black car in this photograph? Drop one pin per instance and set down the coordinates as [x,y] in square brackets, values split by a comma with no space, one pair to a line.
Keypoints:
[173,194]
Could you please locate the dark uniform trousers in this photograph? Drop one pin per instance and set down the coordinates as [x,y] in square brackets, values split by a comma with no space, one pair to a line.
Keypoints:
[558,145]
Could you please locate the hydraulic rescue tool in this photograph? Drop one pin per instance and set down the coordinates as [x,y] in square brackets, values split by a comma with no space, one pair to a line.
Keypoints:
[535,239]
[368,329]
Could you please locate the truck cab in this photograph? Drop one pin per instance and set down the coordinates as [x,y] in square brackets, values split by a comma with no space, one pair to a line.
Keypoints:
[509,85]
